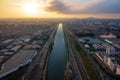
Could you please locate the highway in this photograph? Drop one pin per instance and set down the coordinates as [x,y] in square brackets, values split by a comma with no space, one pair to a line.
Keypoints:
[74,64]
[77,65]
[44,57]
[97,69]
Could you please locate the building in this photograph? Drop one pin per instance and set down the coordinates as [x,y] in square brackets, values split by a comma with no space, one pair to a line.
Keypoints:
[6,43]
[110,51]
[118,70]
[112,63]
[108,36]
[113,41]
[105,59]
[20,59]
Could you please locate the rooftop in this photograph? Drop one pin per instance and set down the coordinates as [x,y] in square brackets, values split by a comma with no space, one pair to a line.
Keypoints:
[19,59]
[112,40]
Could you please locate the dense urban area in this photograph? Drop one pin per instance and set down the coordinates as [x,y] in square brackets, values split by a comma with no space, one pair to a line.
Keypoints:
[88,49]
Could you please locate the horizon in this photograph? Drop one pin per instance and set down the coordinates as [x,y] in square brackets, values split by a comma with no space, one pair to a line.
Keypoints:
[59,18]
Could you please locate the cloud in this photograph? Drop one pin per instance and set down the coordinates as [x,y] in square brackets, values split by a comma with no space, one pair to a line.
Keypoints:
[105,6]
[56,6]
[90,7]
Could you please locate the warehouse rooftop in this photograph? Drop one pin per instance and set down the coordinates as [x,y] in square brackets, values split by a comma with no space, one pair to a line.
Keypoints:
[20,59]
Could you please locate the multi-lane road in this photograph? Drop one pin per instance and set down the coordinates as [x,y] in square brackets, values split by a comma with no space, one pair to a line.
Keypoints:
[73,62]
[78,68]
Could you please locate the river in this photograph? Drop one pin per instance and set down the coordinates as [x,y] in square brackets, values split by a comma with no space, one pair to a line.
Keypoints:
[57,59]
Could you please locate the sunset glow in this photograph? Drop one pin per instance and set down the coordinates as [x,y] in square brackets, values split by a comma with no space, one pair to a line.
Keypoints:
[30,8]
[59,8]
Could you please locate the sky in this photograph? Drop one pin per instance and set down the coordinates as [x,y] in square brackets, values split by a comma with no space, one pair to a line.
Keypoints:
[59,8]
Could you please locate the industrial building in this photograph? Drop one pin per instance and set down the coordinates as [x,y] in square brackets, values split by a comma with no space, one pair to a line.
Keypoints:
[20,59]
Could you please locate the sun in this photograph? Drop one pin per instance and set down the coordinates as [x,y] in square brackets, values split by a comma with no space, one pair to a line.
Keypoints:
[30,8]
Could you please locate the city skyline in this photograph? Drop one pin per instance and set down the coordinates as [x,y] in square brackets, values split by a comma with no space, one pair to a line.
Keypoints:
[59,8]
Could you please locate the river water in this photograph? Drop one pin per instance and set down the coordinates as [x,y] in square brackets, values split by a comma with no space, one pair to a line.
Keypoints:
[57,59]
